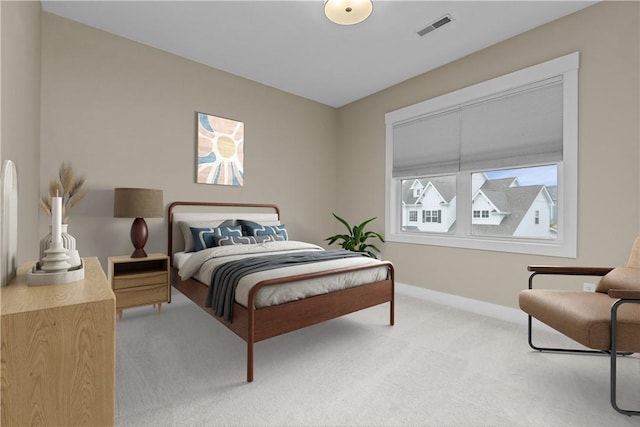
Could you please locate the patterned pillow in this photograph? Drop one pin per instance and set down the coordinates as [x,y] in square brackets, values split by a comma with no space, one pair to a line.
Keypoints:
[254,229]
[185,227]
[246,240]
[204,237]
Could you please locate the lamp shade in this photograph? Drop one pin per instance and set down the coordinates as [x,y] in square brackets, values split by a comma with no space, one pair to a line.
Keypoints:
[137,203]
[348,12]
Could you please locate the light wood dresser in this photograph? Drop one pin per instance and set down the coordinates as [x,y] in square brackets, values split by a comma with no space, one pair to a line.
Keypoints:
[58,351]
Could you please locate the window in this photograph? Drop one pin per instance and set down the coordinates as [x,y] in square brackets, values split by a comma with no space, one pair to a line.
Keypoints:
[468,161]
[432,216]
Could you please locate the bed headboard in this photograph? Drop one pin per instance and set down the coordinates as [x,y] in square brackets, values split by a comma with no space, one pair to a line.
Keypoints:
[214,211]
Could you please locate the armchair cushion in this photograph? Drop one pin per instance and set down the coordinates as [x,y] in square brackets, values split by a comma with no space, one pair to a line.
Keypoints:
[627,278]
[584,317]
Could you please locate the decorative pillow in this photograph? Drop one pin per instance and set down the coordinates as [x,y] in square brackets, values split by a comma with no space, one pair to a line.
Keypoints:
[254,229]
[185,227]
[246,240]
[620,278]
[204,237]
[246,224]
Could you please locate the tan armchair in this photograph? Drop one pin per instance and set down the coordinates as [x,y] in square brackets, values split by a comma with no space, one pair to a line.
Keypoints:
[606,321]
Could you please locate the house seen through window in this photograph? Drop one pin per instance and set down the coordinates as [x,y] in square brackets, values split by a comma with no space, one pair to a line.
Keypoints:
[514,202]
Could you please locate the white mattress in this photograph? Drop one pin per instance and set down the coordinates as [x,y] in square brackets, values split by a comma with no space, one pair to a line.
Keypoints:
[200,265]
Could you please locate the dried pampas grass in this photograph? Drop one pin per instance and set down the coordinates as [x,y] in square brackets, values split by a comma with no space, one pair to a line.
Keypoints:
[67,185]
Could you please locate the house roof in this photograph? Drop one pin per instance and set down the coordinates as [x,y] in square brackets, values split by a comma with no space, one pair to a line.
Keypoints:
[446,188]
[499,184]
[515,201]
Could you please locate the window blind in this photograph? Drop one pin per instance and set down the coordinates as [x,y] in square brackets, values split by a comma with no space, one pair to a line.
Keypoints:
[519,127]
[427,145]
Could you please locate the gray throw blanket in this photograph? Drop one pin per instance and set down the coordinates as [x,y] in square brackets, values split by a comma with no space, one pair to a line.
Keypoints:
[225,277]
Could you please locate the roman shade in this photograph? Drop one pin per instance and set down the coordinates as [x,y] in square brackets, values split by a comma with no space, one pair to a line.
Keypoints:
[521,126]
[427,145]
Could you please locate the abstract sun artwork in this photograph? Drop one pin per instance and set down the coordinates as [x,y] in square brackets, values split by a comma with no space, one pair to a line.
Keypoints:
[220,151]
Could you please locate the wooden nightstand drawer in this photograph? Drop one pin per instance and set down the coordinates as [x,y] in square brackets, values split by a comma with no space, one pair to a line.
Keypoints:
[131,297]
[140,279]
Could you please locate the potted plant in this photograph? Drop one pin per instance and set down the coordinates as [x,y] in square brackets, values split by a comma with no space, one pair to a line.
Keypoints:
[356,240]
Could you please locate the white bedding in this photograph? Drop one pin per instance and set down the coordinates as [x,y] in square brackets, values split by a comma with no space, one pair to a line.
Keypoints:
[200,265]
[179,258]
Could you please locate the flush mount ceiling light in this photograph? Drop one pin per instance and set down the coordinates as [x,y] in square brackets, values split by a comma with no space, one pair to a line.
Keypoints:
[348,12]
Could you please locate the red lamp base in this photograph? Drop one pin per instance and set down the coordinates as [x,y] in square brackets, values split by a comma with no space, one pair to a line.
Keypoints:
[139,235]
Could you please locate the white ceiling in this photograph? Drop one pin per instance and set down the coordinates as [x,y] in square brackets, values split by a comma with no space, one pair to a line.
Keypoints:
[292,46]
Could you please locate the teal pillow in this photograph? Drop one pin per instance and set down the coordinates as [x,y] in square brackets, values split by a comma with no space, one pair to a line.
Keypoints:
[254,229]
[204,237]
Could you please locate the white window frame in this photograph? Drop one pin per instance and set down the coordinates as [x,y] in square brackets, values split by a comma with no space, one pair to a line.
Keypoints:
[565,245]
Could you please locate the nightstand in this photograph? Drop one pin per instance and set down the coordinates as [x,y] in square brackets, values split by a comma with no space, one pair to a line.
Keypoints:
[140,281]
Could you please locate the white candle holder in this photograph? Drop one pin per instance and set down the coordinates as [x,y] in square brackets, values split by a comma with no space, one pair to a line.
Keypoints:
[56,259]
[68,242]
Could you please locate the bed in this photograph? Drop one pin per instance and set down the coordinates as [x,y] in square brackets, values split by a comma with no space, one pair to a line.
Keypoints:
[304,295]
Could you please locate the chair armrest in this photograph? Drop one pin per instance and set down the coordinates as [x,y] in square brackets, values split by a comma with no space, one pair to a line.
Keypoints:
[572,271]
[624,293]
[567,271]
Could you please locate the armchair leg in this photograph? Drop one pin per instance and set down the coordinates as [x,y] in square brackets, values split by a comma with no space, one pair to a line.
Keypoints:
[614,346]
[612,354]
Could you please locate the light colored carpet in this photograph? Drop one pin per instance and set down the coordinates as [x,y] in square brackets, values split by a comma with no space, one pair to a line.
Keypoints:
[437,366]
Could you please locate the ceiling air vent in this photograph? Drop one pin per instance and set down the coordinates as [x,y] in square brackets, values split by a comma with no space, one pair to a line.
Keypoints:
[435,25]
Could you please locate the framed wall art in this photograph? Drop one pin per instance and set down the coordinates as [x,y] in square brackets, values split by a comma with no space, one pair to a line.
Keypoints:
[220,151]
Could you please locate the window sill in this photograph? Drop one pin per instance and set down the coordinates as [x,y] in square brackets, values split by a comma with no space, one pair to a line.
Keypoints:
[555,248]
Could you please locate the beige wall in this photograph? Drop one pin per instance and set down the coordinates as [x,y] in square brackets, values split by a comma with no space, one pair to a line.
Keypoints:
[606,35]
[20,130]
[124,115]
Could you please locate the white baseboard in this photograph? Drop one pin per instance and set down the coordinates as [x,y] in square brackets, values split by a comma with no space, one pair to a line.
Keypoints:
[474,306]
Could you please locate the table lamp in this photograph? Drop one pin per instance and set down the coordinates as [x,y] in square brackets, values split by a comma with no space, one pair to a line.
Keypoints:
[138,203]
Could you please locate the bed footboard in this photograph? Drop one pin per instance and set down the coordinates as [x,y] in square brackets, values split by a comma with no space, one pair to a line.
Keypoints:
[268,322]
[257,324]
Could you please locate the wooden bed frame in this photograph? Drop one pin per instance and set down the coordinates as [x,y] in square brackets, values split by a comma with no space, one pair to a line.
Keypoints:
[257,324]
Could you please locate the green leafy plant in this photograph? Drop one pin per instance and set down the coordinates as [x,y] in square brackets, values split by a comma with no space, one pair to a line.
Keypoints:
[356,240]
